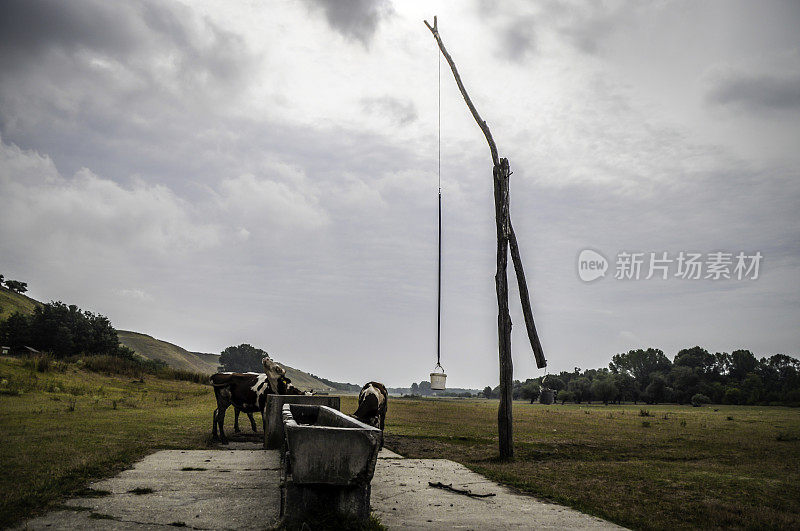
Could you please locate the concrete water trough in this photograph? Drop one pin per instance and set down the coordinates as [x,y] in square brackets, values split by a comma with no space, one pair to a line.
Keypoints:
[328,463]
[273,414]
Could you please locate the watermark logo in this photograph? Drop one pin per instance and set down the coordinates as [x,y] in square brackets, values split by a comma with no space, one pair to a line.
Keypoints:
[591,265]
[662,265]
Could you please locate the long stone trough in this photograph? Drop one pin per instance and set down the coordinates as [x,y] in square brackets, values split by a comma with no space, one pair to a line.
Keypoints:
[328,462]
[273,414]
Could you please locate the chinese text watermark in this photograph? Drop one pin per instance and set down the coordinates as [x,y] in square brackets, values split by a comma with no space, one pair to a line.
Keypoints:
[685,265]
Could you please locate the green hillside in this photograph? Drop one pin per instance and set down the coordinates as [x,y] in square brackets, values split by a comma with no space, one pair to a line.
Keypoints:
[156,349]
[11,302]
[179,358]
[213,359]
[303,380]
[173,355]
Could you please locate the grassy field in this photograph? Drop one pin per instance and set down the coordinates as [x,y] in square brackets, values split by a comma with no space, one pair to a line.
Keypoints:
[66,428]
[729,466]
[678,467]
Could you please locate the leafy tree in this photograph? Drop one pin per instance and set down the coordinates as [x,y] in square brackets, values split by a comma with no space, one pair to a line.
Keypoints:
[733,395]
[553,382]
[414,388]
[581,389]
[17,286]
[67,331]
[243,358]
[753,388]
[742,363]
[529,391]
[656,390]
[566,396]
[425,388]
[627,387]
[604,389]
[700,399]
[640,364]
[487,392]
[15,331]
[62,331]
[685,382]
[699,360]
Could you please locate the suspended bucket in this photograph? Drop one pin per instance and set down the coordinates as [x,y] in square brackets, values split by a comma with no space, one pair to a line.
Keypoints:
[438,379]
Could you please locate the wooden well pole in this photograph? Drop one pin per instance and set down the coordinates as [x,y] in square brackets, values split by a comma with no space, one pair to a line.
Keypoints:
[505,239]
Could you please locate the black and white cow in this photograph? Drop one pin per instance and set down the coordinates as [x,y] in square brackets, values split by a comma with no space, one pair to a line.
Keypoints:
[247,393]
[373,400]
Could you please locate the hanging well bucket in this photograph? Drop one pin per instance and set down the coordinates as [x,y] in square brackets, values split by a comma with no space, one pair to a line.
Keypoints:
[438,379]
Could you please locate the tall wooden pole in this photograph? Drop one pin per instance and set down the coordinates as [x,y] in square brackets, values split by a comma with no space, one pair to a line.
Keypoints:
[505,237]
[505,425]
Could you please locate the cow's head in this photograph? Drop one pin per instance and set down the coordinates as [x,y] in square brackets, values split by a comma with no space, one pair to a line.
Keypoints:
[274,372]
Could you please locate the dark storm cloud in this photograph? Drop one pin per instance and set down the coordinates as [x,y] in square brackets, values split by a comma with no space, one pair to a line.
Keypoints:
[105,84]
[402,112]
[587,26]
[32,26]
[519,39]
[354,19]
[757,93]
[121,31]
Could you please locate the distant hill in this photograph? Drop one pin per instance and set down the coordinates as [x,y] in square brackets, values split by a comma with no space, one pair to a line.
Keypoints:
[156,349]
[11,301]
[180,358]
[173,355]
[303,380]
[213,359]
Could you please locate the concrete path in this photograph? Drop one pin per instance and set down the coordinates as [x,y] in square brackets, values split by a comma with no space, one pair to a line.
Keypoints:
[403,498]
[238,489]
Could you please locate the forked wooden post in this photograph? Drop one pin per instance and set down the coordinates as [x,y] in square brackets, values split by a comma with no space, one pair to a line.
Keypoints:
[505,238]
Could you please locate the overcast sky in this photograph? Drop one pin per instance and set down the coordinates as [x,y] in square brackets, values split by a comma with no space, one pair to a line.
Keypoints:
[216,173]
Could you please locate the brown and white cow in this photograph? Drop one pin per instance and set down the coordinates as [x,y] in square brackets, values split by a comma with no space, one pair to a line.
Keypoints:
[373,400]
[247,393]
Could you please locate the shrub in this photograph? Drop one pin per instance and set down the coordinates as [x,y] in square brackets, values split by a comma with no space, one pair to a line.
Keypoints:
[645,424]
[566,396]
[43,363]
[700,399]
[644,413]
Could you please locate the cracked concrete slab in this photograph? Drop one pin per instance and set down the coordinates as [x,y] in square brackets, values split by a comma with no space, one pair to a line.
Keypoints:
[239,489]
[403,498]
[198,489]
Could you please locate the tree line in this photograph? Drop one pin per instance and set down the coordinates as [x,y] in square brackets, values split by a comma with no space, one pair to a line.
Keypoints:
[693,376]
[62,331]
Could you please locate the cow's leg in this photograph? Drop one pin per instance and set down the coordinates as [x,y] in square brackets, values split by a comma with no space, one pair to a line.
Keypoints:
[214,425]
[236,419]
[252,422]
[221,424]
